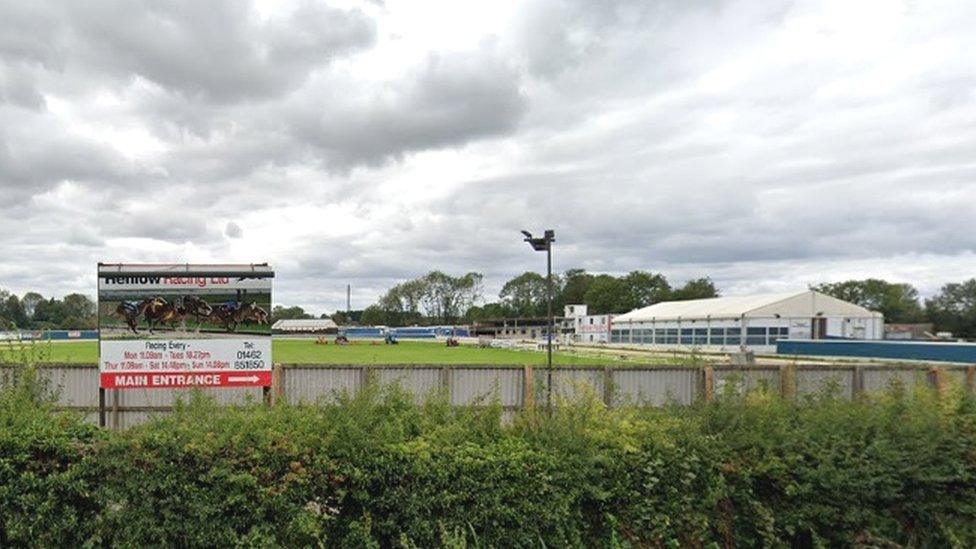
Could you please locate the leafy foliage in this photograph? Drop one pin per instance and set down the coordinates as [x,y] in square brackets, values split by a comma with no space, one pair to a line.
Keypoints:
[379,470]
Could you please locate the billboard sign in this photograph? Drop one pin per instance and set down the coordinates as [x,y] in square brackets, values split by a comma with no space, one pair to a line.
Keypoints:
[184,325]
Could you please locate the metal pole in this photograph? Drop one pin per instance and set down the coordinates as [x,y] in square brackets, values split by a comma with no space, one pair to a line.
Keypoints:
[549,307]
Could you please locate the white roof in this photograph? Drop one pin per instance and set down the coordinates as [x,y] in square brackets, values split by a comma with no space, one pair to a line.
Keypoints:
[305,324]
[796,304]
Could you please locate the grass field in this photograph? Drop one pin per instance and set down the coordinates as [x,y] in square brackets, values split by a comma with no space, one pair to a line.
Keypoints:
[299,351]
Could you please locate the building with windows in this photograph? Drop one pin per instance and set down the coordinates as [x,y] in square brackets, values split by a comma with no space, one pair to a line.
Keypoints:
[756,322]
[585,328]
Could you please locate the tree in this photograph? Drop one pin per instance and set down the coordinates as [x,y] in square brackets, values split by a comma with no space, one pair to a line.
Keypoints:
[433,298]
[575,282]
[30,301]
[953,309]
[641,288]
[487,311]
[11,311]
[606,294]
[525,295]
[279,312]
[699,288]
[897,302]
[445,298]
[375,315]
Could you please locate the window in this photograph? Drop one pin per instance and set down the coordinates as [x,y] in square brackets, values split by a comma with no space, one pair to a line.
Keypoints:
[733,336]
[615,336]
[701,336]
[716,336]
[756,336]
[686,336]
[776,334]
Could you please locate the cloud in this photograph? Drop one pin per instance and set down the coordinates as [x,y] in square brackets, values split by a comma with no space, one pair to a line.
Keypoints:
[768,145]
[233,230]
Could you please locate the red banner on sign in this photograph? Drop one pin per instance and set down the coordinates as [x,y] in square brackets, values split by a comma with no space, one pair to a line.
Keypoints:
[152,380]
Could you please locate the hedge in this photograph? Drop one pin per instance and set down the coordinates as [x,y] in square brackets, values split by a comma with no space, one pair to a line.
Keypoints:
[379,471]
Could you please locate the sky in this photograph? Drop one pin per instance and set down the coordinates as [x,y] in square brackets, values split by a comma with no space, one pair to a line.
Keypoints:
[768,145]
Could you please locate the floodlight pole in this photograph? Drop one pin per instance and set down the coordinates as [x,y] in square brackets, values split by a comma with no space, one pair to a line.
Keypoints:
[545,244]
[548,237]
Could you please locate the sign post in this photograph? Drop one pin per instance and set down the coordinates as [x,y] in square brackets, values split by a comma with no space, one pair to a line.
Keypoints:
[175,326]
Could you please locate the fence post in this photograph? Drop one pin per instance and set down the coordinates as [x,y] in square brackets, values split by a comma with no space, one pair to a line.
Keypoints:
[708,383]
[971,378]
[277,383]
[101,407]
[446,382]
[857,384]
[115,409]
[787,380]
[937,379]
[608,388]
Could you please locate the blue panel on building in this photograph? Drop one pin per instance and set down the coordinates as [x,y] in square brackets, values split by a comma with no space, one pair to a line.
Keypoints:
[899,350]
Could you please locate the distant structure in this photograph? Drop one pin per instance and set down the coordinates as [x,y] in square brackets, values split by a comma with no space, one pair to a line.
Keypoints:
[586,328]
[756,322]
[305,326]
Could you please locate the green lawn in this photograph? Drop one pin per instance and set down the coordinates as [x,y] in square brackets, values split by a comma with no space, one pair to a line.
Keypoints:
[292,351]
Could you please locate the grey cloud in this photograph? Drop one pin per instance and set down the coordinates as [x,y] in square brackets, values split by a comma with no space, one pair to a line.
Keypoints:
[233,230]
[449,101]
[218,51]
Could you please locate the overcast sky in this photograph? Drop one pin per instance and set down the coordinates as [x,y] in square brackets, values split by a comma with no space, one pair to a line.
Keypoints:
[766,144]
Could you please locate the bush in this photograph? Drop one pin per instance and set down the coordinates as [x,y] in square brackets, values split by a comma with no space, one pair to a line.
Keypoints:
[378,470]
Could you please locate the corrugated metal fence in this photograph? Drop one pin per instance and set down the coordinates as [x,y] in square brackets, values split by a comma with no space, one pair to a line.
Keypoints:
[514,387]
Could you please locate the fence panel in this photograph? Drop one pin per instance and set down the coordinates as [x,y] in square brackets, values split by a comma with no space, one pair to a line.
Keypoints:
[744,380]
[75,386]
[167,398]
[313,384]
[656,387]
[479,385]
[421,383]
[810,380]
[880,379]
[569,385]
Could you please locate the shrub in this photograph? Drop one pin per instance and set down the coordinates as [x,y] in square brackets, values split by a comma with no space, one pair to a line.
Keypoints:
[379,470]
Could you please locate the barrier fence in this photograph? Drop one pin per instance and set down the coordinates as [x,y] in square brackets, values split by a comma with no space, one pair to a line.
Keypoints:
[513,387]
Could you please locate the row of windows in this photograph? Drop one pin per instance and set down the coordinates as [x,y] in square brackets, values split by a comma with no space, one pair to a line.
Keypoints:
[756,335]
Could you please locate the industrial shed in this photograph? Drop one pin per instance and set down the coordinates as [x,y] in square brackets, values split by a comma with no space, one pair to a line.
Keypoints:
[752,322]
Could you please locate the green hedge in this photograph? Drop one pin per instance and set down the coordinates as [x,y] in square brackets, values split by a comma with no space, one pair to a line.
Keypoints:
[377,470]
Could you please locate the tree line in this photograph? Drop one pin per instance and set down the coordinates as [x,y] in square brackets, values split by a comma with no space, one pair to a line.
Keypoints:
[440,298]
[32,311]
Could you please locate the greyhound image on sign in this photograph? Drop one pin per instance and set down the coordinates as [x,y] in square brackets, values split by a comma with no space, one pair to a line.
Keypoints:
[184,325]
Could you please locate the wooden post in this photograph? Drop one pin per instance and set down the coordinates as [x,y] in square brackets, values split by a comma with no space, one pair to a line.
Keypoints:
[787,380]
[446,381]
[277,384]
[857,384]
[528,388]
[708,383]
[608,388]
[971,378]
[101,407]
[364,377]
[937,379]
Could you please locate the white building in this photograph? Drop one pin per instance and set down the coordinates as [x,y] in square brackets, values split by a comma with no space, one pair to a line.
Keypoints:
[305,326]
[726,324]
[586,328]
